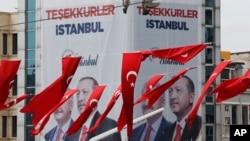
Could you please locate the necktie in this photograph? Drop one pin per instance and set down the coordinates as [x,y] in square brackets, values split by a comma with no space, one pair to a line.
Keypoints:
[149,129]
[58,134]
[178,133]
[84,129]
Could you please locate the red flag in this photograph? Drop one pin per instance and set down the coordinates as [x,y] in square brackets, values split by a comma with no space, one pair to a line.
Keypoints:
[247,73]
[153,81]
[220,67]
[8,73]
[52,95]
[110,105]
[130,66]
[13,102]
[150,84]
[156,93]
[231,88]
[90,105]
[45,119]
[180,54]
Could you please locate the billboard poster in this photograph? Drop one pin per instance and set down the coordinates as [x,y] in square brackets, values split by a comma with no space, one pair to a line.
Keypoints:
[99,31]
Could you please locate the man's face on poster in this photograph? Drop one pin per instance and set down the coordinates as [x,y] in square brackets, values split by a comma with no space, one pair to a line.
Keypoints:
[180,97]
[85,88]
[64,112]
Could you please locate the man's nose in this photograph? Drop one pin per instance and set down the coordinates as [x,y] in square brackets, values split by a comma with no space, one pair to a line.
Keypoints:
[173,95]
[80,96]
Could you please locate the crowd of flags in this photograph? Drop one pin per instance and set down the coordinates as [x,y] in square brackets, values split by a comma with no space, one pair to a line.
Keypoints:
[57,93]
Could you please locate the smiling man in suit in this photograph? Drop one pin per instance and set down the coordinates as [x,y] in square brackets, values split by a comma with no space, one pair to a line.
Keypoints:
[85,87]
[181,99]
[63,118]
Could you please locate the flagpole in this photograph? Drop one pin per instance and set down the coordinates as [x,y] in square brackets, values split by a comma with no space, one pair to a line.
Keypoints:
[114,130]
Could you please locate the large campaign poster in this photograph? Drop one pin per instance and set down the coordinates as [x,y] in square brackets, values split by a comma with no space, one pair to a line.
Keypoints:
[99,31]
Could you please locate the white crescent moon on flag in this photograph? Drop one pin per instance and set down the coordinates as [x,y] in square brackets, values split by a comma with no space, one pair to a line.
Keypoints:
[131,73]
[93,101]
[15,101]
[184,55]
[69,79]
[117,94]
[213,75]
[66,97]
[150,87]
[11,83]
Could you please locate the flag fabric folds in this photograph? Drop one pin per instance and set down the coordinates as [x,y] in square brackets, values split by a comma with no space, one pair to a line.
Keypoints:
[52,94]
[130,66]
[232,87]
[156,93]
[153,81]
[219,68]
[45,119]
[8,73]
[13,102]
[149,86]
[180,54]
[110,105]
[90,105]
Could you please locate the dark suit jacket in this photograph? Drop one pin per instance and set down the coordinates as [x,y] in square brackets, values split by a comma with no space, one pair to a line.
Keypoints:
[188,134]
[160,135]
[49,135]
[106,125]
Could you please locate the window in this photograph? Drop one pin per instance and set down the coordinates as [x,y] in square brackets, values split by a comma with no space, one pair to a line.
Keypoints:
[31,25]
[28,137]
[209,98]
[209,133]
[14,126]
[31,5]
[209,34]
[209,113]
[209,55]
[14,43]
[245,114]
[210,3]
[14,88]
[225,74]
[30,58]
[30,77]
[234,114]
[4,126]
[5,44]
[209,17]
[209,70]
[236,73]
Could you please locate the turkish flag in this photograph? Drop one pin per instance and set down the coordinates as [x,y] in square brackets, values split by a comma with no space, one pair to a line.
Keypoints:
[219,68]
[53,94]
[231,88]
[13,102]
[156,93]
[247,73]
[149,86]
[8,73]
[110,105]
[45,119]
[90,105]
[180,54]
[130,66]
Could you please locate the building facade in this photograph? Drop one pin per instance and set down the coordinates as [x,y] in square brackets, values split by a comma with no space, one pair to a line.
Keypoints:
[214,125]
[9,50]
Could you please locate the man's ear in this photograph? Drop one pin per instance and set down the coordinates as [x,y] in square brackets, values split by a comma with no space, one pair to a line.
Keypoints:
[191,101]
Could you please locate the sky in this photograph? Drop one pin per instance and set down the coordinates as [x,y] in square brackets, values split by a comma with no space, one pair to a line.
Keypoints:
[235,23]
